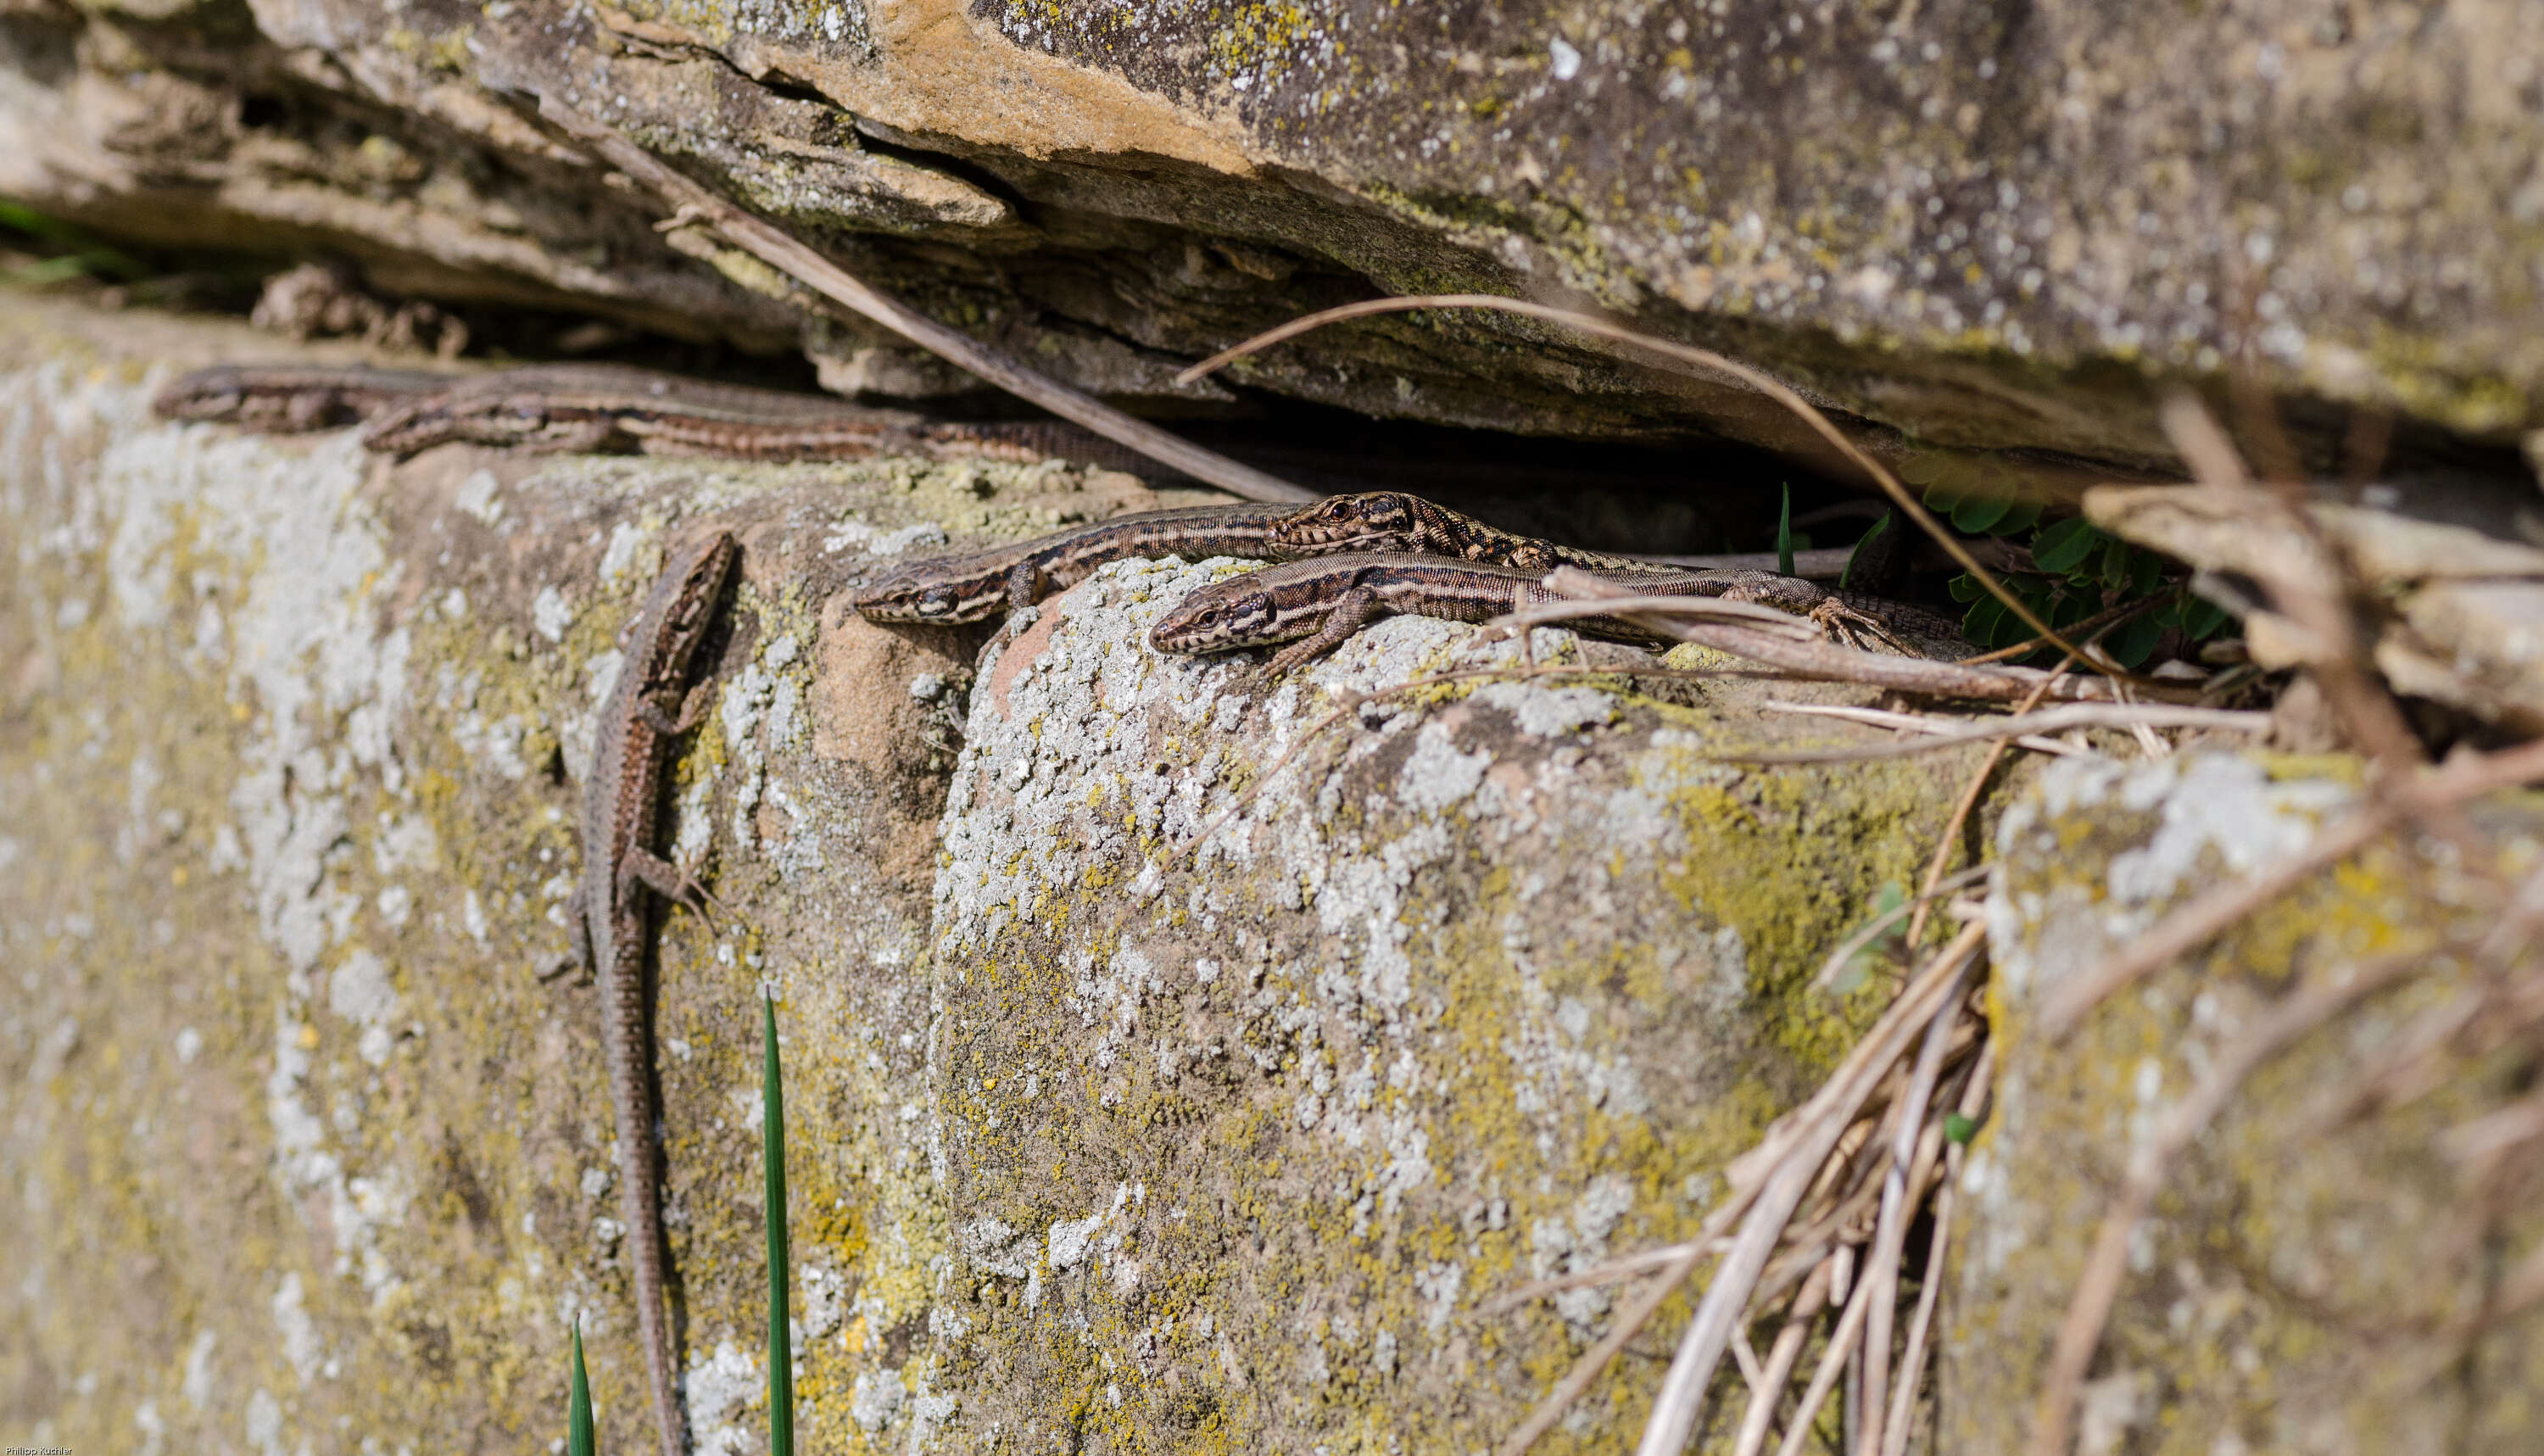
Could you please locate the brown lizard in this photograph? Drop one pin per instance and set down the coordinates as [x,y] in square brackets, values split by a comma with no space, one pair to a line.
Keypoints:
[290,399]
[1314,605]
[979,583]
[621,808]
[608,407]
[969,587]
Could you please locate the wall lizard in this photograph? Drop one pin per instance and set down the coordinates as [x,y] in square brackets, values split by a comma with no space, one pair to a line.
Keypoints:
[621,808]
[609,407]
[1314,605]
[290,399]
[548,408]
[977,585]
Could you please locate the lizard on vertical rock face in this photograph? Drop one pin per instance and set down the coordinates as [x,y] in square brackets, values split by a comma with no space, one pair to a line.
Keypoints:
[621,808]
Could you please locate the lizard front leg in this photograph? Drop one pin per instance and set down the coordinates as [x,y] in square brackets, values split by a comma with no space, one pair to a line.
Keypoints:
[1024,583]
[588,435]
[1351,612]
[1843,621]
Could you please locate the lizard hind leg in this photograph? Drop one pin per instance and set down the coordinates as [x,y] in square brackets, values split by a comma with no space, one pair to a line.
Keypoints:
[672,883]
[1845,624]
[578,956]
[693,712]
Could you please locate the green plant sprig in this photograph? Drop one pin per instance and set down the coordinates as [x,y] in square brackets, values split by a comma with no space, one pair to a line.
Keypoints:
[2077,570]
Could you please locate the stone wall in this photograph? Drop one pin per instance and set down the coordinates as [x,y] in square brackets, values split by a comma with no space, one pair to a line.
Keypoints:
[1169,1068]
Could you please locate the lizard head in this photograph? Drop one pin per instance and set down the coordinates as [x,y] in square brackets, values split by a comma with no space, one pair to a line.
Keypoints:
[931,594]
[1370,520]
[219,393]
[1220,617]
[702,569]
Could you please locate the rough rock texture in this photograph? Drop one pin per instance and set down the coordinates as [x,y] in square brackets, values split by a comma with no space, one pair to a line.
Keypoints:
[2300,1288]
[1481,989]
[1964,222]
[1105,1135]
[1091,1147]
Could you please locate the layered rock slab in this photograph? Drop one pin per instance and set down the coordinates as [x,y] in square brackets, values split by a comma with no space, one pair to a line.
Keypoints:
[1969,225]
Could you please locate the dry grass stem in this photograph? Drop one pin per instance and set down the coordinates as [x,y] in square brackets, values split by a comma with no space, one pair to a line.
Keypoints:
[1967,803]
[1833,1362]
[1726,1298]
[2018,725]
[2089,629]
[2098,1287]
[1629,1322]
[693,201]
[1890,1235]
[1760,1419]
[1613,1271]
[1751,1372]
[1912,1360]
[1824,659]
[1702,358]
[2310,585]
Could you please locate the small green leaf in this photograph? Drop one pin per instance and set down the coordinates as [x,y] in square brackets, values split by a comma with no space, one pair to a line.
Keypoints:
[577,1402]
[1964,588]
[2115,573]
[1978,514]
[1942,500]
[2201,619]
[1981,625]
[1784,534]
[2023,516]
[2133,640]
[1959,1129]
[2146,573]
[2062,546]
[50,270]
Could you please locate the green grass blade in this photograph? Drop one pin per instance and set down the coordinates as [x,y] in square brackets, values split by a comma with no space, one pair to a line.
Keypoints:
[578,1404]
[1784,534]
[772,1161]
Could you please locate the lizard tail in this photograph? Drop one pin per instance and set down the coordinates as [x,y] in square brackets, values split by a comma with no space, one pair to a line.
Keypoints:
[640,1200]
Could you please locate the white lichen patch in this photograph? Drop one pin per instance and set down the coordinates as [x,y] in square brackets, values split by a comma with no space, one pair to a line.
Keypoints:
[2213,814]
